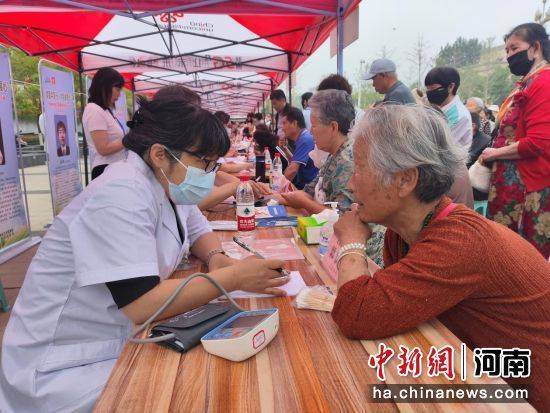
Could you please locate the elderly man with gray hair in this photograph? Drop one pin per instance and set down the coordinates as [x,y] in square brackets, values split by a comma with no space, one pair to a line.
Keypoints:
[483,281]
[476,105]
[332,115]
[383,74]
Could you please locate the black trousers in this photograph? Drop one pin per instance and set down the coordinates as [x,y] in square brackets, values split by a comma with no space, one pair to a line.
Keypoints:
[98,170]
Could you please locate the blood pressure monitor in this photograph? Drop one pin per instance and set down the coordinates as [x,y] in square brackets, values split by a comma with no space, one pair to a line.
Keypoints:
[243,335]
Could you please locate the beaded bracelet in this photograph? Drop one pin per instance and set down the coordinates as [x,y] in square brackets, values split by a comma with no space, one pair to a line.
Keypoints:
[352,246]
[212,253]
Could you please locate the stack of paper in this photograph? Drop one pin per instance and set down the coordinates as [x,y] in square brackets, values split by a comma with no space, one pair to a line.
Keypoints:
[292,288]
[223,225]
[281,249]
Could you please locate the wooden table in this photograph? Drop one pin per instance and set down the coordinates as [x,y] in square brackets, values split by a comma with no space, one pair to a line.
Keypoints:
[309,366]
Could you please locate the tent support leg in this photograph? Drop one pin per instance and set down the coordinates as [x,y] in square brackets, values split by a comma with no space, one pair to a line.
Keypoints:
[340,38]
[133,97]
[81,89]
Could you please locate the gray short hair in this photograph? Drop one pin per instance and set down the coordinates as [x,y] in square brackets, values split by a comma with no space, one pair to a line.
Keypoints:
[478,101]
[401,137]
[334,105]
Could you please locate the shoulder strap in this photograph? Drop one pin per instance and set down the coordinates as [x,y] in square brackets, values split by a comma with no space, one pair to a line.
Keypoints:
[446,211]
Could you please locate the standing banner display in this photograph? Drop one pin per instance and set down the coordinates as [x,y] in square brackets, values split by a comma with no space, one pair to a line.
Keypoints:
[14,224]
[58,106]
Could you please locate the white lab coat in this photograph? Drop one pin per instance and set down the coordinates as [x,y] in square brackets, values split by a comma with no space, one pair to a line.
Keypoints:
[65,332]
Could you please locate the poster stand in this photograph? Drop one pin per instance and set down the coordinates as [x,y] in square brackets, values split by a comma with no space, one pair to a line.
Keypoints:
[16,247]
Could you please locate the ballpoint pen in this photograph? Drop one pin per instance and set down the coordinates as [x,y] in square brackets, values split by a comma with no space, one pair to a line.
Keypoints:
[247,247]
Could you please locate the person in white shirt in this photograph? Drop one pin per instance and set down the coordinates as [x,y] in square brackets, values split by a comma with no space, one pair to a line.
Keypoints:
[442,85]
[102,130]
[105,263]
[306,109]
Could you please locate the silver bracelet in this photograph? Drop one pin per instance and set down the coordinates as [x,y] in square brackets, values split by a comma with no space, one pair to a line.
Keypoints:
[214,252]
[352,246]
[362,254]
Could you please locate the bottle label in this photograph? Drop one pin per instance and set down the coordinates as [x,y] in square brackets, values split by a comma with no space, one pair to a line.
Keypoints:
[246,217]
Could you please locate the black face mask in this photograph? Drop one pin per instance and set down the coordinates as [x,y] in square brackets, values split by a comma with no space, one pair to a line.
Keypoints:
[437,96]
[520,64]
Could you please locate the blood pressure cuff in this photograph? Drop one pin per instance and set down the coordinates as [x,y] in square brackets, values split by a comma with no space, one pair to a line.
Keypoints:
[189,327]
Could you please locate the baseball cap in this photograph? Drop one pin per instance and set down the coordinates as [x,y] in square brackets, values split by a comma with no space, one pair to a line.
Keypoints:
[380,66]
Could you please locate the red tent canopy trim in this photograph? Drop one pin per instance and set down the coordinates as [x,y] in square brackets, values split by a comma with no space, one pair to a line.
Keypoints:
[232,52]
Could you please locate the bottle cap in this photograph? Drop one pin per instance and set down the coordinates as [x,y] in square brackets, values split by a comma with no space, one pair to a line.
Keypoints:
[244,177]
[277,155]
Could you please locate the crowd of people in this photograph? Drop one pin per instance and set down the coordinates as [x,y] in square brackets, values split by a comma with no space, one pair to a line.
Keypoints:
[411,246]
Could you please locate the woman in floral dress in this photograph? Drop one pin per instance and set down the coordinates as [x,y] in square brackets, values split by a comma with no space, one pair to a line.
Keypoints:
[519,195]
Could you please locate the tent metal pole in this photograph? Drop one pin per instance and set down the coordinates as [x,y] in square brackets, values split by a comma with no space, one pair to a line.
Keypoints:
[81,89]
[273,127]
[289,58]
[340,38]
[19,147]
[133,96]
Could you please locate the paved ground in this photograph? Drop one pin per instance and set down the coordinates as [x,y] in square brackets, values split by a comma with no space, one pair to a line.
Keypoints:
[39,196]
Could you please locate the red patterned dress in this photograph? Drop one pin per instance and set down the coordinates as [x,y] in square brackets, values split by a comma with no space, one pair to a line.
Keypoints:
[519,195]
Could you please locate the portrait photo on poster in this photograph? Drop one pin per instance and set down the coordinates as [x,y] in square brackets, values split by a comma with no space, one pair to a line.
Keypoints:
[2,153]
[61,135]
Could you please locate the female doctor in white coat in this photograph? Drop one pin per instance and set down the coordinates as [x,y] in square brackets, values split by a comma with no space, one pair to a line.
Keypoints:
[104,262]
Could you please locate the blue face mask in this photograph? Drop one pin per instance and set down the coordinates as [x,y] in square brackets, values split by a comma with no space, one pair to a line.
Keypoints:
[195,187]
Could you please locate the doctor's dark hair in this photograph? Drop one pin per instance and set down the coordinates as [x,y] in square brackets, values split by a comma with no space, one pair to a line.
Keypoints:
[101,89]
[178,126]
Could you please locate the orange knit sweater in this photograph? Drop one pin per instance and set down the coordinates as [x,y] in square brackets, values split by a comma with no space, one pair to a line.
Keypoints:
[489,286]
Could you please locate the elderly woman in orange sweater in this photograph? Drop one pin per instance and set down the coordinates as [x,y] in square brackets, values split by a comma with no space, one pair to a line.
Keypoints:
[440,258]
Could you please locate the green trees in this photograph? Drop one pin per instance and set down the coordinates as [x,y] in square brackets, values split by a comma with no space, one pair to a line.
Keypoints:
[482,68]
[461,53]
[27,93]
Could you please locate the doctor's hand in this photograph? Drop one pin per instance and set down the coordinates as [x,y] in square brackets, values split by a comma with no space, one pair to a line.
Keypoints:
[220,261]
[259,276]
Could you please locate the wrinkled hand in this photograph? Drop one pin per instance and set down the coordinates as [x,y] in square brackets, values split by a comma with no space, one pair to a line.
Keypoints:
[488,155]
[260,276]
[296,199]
[260,189]
[349,228]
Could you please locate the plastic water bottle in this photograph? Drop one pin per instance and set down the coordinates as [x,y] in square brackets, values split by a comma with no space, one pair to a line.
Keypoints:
[246,216]
[267,166]
[277,173]
[252,156]
[327,231]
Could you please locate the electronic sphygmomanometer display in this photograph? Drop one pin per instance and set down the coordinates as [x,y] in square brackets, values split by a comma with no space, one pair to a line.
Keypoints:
[239,326]
[243,335]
